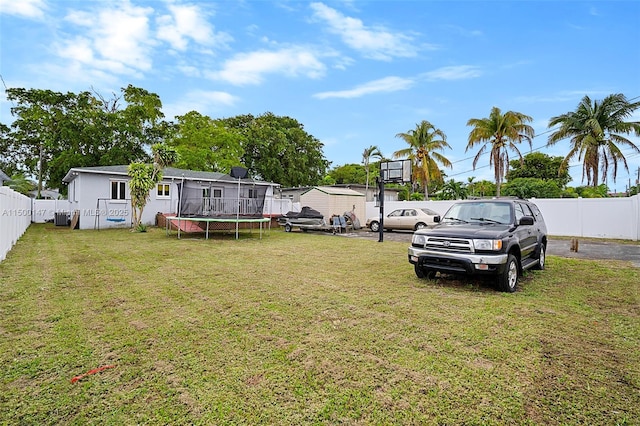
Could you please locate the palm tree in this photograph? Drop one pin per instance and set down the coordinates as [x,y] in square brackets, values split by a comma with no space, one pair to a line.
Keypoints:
[453,190]
[20,183]
[502,132]
[596,129]
[471,185]
[372,151]
[424,143]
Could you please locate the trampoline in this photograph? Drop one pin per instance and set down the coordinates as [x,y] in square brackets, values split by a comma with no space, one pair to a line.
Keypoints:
[186,224]
[230,200]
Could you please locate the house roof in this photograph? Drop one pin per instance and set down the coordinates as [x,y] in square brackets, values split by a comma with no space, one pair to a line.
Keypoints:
[167,173]
[335,191]
[3,176]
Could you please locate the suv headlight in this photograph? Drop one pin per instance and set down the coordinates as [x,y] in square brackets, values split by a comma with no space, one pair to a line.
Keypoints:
[419,239]
[491,245]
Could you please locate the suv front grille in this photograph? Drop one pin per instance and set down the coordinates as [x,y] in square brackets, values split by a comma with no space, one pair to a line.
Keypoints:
[454,245]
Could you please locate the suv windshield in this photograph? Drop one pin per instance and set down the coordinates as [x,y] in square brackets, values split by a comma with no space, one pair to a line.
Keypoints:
[482,212]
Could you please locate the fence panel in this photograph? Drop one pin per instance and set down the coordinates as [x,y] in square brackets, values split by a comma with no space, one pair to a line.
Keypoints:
[571,217]
[15,218]
[45,210]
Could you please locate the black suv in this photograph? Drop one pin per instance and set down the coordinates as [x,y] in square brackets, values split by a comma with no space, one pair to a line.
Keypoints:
[499,237]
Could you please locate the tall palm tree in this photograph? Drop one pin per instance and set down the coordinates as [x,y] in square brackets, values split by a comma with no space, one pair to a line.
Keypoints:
[596,129]
[502,132]
[372,151]
[424,143]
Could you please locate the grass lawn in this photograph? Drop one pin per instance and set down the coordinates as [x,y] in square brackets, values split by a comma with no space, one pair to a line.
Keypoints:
[304,328]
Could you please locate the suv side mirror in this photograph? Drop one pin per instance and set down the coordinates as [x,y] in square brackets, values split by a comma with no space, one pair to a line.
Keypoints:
[526,220]
[436,219]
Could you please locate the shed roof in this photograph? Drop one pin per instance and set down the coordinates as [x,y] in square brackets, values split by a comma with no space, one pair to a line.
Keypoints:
[335,191]
[3,176]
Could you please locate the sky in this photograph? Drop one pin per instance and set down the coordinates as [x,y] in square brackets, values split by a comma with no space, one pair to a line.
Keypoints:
[353,73]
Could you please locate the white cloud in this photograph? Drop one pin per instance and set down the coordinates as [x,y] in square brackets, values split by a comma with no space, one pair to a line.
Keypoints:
[203,101]
[460,72]
[188,22]
[249,68]
[373,42]
[33,9]
[116,39]
[383,85]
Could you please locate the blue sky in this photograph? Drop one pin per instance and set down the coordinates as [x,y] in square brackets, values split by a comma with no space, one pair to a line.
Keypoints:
[354,73]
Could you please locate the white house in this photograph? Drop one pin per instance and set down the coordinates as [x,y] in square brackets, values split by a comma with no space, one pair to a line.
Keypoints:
[100,196]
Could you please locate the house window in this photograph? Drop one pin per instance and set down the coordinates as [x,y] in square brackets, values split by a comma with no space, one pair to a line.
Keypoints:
[163,190]
[118,190]
[217,193]
[253,193]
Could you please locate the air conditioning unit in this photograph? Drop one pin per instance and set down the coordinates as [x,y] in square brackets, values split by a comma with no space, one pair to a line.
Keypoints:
[61,219]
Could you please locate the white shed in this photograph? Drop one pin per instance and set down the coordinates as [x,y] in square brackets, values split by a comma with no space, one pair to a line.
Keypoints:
[330,200]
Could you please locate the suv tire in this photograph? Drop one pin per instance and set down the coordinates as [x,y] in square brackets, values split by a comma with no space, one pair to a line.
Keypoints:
[542,258]
[508,280]
[424,274]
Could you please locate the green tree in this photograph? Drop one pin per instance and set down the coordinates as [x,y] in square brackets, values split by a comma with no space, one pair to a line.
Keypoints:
[597,131]
[539,166]
[425,142]
[485,188]
[205,144]
[39,129]
[145,177]
[348,173]
[278,149]
[372,152]
[453,190]
[599,191]
[20,183]
[532,187]
[54,132]
[501,132]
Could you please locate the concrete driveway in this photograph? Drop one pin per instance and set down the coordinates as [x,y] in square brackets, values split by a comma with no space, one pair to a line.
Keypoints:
[587,248]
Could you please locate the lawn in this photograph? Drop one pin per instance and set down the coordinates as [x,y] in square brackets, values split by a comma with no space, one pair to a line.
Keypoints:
[304,328]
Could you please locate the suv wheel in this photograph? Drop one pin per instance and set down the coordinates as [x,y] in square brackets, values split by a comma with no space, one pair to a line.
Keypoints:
[542,258]
[424,274]
[508,280]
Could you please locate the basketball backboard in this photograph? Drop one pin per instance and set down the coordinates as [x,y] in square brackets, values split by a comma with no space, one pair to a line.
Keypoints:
[398,171]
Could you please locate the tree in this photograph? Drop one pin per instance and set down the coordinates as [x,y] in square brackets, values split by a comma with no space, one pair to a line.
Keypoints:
[424,143]
[372,152]
[485,188]
[39,130]
[54,132]
[596,130]
[348,173]
[145,177]
[471,185]
[453,190]
[501,132]
[278,149]
[532,187]
[20,183]
[205,144]
[539,166]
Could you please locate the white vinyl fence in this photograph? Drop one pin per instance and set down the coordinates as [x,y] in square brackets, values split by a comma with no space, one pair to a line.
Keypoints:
[15,218]
[572,217]
[45,210]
